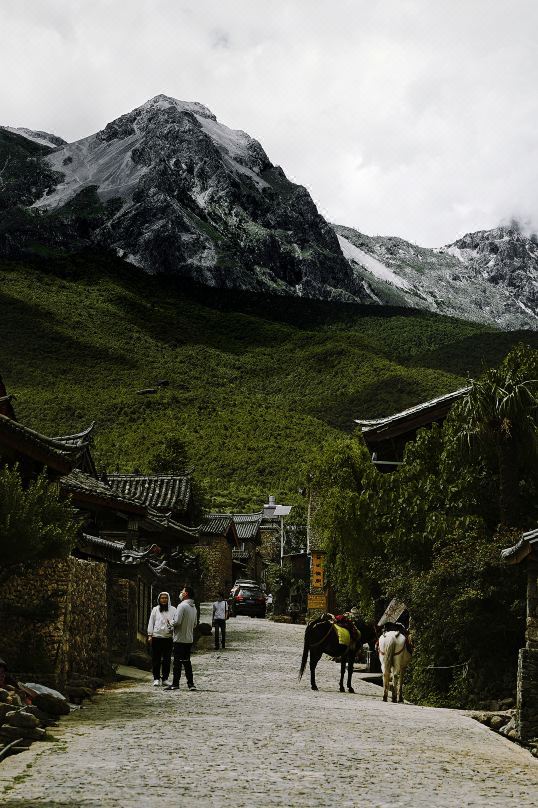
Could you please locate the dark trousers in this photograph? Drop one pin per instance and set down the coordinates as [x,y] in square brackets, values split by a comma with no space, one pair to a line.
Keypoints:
[182,658]
[220,625]
[161,650]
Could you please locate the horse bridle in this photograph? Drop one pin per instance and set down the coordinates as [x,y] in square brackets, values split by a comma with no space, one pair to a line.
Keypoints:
[382,653]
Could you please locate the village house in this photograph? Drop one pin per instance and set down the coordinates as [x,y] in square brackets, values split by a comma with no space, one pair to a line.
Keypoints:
[98,600]
[387,437]
[231,547]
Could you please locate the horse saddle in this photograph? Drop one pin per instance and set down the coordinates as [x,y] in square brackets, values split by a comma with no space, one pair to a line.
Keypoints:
[344,636]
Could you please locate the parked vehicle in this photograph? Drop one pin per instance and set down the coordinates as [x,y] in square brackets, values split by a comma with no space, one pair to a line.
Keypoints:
[247,599]
[246,582]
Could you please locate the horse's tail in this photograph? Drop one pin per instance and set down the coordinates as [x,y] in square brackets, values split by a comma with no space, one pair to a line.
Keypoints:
[389,652]
[305,652]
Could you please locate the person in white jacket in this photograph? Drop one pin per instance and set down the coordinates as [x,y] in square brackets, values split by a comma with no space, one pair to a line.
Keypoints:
[160,631]
[184,623]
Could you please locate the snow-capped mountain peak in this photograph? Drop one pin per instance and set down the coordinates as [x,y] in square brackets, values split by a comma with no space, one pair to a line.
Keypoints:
[173,189]
[486,276]
[41,138]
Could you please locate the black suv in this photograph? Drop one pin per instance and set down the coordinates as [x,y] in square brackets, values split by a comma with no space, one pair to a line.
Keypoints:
[247,599]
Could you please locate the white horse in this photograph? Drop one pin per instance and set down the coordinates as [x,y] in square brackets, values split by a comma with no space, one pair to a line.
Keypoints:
[394,658]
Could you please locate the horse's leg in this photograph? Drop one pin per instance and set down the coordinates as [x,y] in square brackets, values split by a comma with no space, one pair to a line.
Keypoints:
[395,685]
[400,691]
[386,682]
[350,663]
[342,671]
[315,657]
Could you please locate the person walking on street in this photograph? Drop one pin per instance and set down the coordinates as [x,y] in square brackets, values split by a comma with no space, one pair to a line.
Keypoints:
[220,615]
[160,638]
[184,623]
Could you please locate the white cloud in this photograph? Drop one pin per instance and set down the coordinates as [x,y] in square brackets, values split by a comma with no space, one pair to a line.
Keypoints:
[402,117]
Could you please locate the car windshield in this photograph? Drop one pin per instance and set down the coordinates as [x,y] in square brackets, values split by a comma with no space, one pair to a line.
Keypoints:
[250,592]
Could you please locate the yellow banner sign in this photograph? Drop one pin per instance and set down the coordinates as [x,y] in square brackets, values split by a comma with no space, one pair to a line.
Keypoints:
[317,601]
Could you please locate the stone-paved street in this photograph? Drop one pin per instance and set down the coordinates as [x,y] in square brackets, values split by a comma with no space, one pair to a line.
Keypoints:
[253,736]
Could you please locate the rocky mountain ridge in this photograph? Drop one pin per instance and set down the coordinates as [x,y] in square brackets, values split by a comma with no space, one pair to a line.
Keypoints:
[490,276]
[171,189]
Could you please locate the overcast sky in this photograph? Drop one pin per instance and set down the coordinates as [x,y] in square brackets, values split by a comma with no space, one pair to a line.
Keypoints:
[415,118]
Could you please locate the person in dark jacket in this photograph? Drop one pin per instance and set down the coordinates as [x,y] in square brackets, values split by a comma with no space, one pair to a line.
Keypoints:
[220,615]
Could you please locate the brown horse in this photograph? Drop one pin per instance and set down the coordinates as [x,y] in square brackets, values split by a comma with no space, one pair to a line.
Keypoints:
[321,638]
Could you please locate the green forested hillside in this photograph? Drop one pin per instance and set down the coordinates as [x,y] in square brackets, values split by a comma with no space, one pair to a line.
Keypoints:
[256,383]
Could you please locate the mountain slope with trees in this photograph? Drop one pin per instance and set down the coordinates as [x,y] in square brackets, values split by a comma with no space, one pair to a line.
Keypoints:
[254,383]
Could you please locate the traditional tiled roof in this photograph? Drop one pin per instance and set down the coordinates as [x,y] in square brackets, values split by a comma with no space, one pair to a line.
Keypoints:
[413,417]
[216,524]
[527,544]
[165,522]
[169,492]
[80,439]
[6,407]
[79,483]
[104,548]
[149,558]
[247,525]
[58,453]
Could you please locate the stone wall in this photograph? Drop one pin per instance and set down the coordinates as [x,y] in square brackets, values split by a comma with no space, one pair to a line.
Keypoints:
[527,695]
[122,617]
[53,618]
[217,557]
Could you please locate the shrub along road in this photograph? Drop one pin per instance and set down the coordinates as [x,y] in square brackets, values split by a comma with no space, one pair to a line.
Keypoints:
[254,736]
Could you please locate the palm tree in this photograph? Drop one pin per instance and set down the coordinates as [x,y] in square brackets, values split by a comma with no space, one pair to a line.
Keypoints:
[499,417]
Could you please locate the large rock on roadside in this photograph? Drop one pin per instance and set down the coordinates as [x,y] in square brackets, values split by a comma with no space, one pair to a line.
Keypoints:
[20,718]
[4,710]
[93,682]
[44,718]
[10,697]
[76,694]
[51,704]
[11,733]
[498,721]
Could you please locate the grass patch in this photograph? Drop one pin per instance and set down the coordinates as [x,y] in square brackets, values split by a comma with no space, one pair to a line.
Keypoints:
[256,382]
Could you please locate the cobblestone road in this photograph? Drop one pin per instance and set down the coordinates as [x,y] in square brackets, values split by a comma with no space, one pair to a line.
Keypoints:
[253,736]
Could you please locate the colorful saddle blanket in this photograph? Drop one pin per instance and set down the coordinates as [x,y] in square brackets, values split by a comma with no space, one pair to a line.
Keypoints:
[344,637]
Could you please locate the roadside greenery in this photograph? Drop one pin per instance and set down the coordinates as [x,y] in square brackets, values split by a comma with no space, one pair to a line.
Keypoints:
[431,533]
[35,523]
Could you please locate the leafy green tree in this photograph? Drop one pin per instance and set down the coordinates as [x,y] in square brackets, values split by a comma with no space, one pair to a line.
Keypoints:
[171,457]
[429,533]
[35,523]
[498,420]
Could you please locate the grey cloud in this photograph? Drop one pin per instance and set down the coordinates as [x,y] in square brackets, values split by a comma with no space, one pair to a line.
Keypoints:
[402,117]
